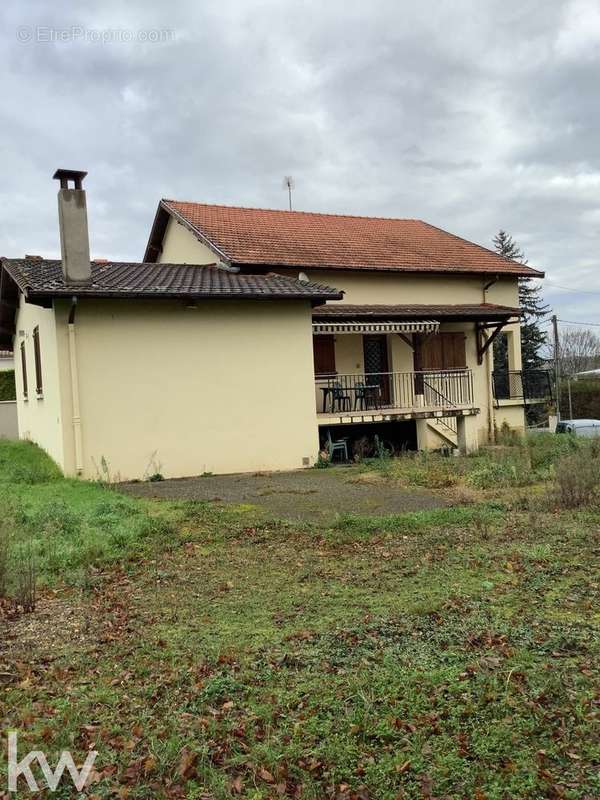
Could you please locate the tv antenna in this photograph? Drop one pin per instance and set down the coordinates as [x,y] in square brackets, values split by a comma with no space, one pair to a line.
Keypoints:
[289,184]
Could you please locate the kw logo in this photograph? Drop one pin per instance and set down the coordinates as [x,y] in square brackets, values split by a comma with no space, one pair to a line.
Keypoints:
[17,768]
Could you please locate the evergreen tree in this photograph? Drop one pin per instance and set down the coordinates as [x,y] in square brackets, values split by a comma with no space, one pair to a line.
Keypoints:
[533,337]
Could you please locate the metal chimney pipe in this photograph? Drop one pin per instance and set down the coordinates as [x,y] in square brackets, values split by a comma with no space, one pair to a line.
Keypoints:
[73,224]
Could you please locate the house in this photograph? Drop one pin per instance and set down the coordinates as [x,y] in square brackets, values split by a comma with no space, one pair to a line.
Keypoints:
[416,300]
[246,337]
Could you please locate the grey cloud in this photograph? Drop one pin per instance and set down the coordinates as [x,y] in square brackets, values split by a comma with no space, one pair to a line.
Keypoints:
[472,115]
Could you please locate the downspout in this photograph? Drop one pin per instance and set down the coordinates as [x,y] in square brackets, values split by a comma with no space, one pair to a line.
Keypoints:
[488,371]
[75,390]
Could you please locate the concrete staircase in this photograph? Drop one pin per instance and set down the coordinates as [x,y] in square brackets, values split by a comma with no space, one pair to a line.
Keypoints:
[445,428]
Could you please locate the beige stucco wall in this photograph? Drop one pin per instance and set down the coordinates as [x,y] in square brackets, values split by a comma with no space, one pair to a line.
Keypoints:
[382,287]
[40,419]
[512,414]
[180,246]
[9,425]
[224,387]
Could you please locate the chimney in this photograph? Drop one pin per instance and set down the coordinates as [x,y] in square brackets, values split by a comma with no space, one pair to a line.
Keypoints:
[72,220]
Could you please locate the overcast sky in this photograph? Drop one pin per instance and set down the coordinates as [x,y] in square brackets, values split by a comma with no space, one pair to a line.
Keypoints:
[473,115]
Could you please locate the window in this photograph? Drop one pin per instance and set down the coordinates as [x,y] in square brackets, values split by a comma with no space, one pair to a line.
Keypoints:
[39,388]
[24,369]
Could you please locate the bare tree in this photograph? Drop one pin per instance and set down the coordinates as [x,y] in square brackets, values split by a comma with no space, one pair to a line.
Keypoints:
[579,350]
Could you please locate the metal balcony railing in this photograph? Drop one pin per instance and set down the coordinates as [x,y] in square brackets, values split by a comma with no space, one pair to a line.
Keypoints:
[532,384]
[408,391]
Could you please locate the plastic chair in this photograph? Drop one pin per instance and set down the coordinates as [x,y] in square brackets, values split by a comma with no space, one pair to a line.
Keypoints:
[338,396]
[366,396]
[361,396]
[337,446]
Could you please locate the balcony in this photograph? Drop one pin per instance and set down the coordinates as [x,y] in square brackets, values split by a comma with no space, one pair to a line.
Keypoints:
[383,396]
[527,386]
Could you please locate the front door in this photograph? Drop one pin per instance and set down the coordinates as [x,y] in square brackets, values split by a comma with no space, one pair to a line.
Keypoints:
[376,361]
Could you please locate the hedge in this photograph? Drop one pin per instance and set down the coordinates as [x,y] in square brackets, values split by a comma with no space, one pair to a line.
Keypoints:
[7,385]
[585,396]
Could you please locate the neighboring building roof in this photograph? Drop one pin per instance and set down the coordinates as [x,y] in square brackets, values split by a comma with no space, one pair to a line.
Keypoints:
[588,373]
[261,237]
[41,278]
[484,311]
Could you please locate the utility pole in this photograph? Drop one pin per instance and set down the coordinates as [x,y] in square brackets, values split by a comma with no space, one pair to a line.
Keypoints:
[556,364]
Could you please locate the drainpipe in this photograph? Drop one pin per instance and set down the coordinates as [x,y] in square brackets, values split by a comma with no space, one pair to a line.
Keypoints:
[75,390]
[488,370]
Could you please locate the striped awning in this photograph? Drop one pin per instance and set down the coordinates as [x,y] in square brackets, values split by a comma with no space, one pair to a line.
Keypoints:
[380,326]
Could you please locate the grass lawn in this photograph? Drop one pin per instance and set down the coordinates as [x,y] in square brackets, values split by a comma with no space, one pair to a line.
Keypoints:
[211,652]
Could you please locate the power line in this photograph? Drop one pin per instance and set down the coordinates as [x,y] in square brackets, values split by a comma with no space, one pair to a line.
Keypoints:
[547,322]
[569,288]
[572,322]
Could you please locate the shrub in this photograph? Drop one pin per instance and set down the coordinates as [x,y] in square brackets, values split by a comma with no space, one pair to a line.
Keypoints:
[492,473]
[508,437]
[545,449]
[7,385]
[431,470]
[323,460]
[585,398]
[577,479]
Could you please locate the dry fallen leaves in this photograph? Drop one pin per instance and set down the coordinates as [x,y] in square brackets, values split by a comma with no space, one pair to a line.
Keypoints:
[187,763]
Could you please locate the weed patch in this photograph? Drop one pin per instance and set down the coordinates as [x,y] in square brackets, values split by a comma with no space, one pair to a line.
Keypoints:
[577,480]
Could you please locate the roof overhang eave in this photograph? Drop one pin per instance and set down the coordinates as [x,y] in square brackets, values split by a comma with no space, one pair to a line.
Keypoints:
[527,272]
[44,298]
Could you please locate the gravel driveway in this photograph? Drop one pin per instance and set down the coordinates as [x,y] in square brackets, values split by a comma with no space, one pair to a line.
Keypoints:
[307,494]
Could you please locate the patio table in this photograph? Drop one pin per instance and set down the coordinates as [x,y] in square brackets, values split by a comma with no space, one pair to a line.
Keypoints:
[371,391]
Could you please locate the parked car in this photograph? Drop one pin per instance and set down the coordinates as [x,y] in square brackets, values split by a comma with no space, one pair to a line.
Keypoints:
[579,427]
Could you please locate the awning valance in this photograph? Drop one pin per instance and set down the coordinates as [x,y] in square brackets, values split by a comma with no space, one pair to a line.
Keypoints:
[376,326]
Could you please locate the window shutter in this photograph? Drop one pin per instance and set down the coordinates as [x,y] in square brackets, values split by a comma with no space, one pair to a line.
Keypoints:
[24,369]
[324,354]
[38,361]
[441,351]
[454,351]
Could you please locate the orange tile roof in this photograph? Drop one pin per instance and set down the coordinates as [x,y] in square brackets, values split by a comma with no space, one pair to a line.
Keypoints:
[310,240]
[476,311]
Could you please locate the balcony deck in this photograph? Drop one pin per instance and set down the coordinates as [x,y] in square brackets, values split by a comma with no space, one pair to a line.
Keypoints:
[394,396]
[522,387]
